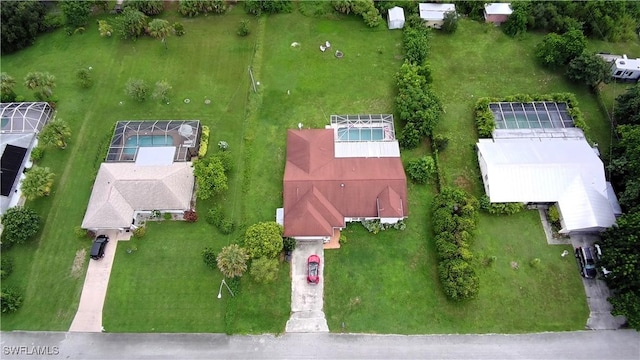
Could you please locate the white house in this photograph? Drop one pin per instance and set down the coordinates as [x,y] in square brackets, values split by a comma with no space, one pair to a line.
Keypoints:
[396,18]
[497,13]
[566,171]
[433,14]
[626,69]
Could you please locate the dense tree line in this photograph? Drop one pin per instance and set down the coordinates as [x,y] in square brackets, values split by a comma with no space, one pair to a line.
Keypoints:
[621,243]
[21,22]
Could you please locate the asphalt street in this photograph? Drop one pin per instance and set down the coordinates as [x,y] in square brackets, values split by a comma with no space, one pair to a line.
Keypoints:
[601,345]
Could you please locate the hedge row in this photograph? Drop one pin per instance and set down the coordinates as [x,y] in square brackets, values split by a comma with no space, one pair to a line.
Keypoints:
[485,122]
[364,8]
[508,208]
[454,220]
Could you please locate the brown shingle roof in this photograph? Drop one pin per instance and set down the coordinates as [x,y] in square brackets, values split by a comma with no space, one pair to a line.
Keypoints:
[321,190]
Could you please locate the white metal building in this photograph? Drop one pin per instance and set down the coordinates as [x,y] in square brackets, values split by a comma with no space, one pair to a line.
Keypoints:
[433,14]
[626,69]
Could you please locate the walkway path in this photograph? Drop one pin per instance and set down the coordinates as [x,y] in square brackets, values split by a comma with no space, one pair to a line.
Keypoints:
[89,315]
[306,299]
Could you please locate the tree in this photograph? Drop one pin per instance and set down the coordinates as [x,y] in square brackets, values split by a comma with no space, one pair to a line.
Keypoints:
[105,29]
[590,69]
[556,50]
[627,109]
[232,261]
[264,270]
[37,182]
[516,24]
[160,29]
[210,177]
[7,83]
[450,24]
[421,170]
[131,24]
[137,89]
[20,224]
[20,22]
[162,90]
[627,304]
[264,240]
[76,12]
[625,167]
[42,83]
[55,133]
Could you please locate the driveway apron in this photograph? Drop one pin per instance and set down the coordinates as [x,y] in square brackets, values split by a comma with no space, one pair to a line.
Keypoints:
[306,299]
[89,315]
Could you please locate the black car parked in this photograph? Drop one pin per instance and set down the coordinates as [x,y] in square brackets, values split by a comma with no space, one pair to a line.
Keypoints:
[97,250]
[586,262]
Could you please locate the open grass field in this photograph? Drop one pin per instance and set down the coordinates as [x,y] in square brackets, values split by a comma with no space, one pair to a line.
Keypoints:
[383,284]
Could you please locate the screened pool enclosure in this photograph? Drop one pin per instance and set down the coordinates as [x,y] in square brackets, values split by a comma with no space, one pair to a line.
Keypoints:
[364,127]
[533,115]
[130,136]
[25,117]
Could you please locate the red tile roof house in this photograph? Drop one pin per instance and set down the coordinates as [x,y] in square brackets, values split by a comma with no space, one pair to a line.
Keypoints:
[329,181]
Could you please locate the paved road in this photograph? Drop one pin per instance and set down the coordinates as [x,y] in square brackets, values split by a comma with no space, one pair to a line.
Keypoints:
[601,345]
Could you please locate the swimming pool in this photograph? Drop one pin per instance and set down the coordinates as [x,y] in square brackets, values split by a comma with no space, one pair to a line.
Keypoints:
[134,142]
[360,134]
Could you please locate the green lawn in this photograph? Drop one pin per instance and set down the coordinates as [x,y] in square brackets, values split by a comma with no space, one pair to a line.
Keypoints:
[385,283]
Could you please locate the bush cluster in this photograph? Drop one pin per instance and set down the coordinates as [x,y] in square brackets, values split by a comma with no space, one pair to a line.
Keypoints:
[178,28]
[209,257]
[421,170]
[485,122]
[193,8]
[364,8]
[257,7]
[10,300]
[6,266]
[416,103]
[454,221]
[217,218]
[190,216]
[415,40]
[204,142]
[375,226]
[147,7]
[264,270]
[509,208]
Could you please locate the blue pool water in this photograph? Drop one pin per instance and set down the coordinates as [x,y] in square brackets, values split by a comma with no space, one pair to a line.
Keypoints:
[360,134]
[134,142]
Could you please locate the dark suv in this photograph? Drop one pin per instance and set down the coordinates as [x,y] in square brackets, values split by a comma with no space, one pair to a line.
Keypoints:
[586,262]
[97,250]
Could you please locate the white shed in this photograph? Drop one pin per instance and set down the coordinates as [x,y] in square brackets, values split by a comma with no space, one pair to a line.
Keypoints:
[497,13]
[396,18]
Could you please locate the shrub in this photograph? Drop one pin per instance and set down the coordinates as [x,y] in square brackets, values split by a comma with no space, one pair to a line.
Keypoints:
[52,21]
[162,91]
[167,216]
[216,217]
[440,142]
[209,257]
[6,266]
[257,7]
[84,78]
[140,232]
[10,300]
[137,89]
[20,224]
[264,270]
[147,7]
[450,24]
[410,137]
[372,18]
[193,8]
[80,233]
[243,28]
[178,28]
[226,160]
[204,141]
[500,208]
[264,240]
[190,216]
[458,279]
[554,214]
[37,153]
[289,244]
[534,262]
[421,170]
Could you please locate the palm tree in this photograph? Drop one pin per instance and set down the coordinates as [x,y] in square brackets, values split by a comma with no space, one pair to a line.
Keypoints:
[160,29]
[37,182]
[55,133]
[7,82]
[232,261]
[43,83]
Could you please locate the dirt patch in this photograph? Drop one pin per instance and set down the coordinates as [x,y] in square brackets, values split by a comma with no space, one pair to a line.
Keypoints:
[78,263]
[463,182]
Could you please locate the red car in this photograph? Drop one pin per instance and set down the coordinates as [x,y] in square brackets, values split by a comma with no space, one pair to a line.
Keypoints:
[313,269]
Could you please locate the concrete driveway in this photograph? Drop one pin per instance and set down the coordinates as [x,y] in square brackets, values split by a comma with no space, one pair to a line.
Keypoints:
[597,292]
[89,315]
[306,299]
